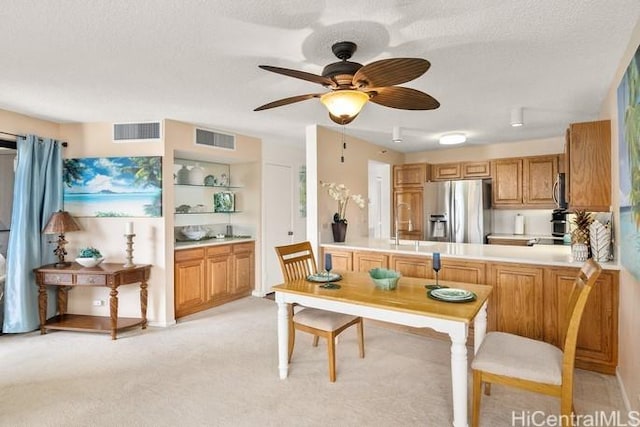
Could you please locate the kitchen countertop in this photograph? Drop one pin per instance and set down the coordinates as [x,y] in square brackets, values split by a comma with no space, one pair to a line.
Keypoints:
[554,255]
[522,236]
[211,242]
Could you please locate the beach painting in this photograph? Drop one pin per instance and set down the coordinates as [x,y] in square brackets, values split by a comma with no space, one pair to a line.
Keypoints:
[629,158]
[113,186]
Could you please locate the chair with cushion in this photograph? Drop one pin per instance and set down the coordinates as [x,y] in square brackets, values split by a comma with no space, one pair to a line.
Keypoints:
[533,365]
[297,262]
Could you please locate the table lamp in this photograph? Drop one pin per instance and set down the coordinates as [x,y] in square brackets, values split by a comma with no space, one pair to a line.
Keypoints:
[60,223]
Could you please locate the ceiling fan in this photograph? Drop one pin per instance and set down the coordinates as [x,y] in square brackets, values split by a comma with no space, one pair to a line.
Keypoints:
[352,85]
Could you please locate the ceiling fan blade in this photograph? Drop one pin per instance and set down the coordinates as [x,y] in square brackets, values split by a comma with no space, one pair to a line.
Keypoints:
[325,81]
[286,101]
[403,98]
[390,72]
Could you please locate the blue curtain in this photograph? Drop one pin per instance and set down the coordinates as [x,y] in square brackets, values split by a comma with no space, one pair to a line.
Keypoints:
[37,193]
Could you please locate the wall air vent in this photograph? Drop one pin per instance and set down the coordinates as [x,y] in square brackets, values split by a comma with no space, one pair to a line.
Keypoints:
[215,139]
[128,132]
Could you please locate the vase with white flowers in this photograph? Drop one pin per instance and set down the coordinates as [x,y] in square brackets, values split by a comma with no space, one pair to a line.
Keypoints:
[341,194]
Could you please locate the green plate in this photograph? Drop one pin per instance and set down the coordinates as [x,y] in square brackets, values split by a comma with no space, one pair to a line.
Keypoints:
[323,277]
[454,295]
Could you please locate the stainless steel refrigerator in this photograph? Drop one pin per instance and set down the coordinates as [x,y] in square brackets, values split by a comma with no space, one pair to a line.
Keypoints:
[458,211]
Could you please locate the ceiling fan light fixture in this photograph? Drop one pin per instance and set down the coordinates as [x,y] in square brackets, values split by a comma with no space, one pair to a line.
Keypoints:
[345,103]
[453,139]
[516,117]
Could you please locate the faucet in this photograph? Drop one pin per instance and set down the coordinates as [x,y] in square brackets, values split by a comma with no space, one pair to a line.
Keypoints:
[396,222]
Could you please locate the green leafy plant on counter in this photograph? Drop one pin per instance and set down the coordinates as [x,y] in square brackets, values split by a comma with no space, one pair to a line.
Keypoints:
[89,252]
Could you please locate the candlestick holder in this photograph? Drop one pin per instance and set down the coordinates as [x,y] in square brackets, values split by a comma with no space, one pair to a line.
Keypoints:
[129,262]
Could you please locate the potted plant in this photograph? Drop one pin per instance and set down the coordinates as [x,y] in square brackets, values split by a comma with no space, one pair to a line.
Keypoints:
[580,235]
[89,257]
[341,194]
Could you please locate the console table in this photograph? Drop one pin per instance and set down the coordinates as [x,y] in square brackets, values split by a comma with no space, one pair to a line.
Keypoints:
[107,274]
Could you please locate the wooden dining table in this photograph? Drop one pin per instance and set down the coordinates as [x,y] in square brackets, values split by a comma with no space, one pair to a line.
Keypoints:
[408,305]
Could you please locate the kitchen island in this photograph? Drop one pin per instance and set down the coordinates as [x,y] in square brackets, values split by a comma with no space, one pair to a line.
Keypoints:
[531,287]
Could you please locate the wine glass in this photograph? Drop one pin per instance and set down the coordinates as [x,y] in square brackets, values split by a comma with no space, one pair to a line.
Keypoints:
[327,264]
[436,265]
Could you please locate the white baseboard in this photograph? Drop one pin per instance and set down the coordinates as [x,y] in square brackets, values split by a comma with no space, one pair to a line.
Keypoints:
[258,293]
[163,324]
[625,398]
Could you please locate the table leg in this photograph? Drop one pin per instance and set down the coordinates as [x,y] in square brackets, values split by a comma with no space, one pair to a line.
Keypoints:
[479,327]
[42,306]
[62,293]
[143,303]
[113,311]
[459,374]
[283,338]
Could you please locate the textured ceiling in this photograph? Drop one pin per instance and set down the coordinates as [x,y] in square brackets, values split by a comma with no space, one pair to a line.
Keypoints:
[197,61]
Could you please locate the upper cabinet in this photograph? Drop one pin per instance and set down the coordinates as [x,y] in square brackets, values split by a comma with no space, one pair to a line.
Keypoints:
[588,166]
[461,170]
[410,175]
[524,182]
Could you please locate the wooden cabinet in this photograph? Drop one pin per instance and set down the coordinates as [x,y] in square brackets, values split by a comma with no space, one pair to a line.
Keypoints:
[507,182]
[463,170]
[212,275]
[408,209]
[445,171]
[410,175]
[517,302]
[597,346]
[243,268]
[474,170]
[462,271]
[524,182]
[539,176]
[189,283]
[340,260]
[365,261]
[410,266]
[588,166]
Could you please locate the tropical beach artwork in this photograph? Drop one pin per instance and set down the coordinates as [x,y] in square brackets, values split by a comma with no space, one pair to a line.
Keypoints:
[629,156]
[113,186]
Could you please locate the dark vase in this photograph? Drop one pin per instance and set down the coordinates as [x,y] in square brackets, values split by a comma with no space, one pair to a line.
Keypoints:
[339,231]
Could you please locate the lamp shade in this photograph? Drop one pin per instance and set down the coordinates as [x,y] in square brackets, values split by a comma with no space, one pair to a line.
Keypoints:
[60,222]
[344,103]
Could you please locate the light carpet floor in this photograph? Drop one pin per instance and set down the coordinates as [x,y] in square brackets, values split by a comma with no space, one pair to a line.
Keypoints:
[219,368]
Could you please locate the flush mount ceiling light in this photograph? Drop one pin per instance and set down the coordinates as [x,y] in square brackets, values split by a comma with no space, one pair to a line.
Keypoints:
[452,139]
[516,117]
[396,136]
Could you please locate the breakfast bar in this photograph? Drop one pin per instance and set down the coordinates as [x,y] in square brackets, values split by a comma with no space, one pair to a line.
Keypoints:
[529,284]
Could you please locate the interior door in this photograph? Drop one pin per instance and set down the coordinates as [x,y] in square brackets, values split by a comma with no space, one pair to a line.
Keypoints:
[278,225]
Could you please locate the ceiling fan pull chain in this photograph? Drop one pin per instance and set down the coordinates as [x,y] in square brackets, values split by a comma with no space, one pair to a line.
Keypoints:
[344,145]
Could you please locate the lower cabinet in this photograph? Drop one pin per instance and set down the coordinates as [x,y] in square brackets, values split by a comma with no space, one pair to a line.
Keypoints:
[212,275]
[340,260]
[365,261]
[527,300]
[597,346]
[516,304]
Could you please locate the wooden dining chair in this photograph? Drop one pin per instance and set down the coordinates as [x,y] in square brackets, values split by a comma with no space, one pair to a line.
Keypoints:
[297,262]
[533,365]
